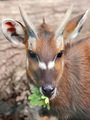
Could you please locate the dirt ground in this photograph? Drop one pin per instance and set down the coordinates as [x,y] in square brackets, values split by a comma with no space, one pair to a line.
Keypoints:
[14,87]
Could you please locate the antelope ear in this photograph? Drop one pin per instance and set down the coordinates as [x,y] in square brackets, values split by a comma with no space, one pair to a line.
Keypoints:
[74,26]
[14,31]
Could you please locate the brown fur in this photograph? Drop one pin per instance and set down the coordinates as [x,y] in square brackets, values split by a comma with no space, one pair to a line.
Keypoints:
[73,98]
[73,89]
[72,79]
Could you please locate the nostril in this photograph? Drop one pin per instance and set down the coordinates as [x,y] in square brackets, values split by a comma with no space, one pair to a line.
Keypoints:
[48,90]
[43,89]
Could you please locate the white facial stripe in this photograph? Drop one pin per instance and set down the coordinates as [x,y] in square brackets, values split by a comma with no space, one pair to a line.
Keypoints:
[42,65]
[27,62]
[32,41]
[59,42]
[51,64]
[63,63]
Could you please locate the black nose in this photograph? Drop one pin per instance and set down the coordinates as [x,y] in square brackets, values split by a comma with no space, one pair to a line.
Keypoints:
[48,90]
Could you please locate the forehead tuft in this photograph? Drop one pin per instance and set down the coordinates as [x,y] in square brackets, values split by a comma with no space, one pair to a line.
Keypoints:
[46,31]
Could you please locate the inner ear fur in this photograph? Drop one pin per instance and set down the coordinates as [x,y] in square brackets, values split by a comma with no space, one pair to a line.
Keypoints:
[14,31]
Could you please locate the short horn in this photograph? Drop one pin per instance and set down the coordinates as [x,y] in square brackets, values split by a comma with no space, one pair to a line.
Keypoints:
[31,29]
[60,28]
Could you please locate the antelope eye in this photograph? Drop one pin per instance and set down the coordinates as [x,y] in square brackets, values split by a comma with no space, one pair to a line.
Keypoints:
[32,55]
[59,55]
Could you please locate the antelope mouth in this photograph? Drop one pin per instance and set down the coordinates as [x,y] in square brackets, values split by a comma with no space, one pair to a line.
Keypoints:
[49,95]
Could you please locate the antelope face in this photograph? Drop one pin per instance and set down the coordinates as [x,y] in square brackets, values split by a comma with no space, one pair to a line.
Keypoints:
[45,60]
[44,48]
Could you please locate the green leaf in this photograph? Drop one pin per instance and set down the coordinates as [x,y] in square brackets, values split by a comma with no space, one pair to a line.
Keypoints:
[48,106]
[29,97]
[35,91]
[43,97]
[47,100]
[38,99]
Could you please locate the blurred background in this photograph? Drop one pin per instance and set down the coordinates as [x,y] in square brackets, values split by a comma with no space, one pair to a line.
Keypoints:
[13,82]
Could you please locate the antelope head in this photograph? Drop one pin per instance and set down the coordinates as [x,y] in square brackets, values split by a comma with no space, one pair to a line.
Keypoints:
[45,48]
